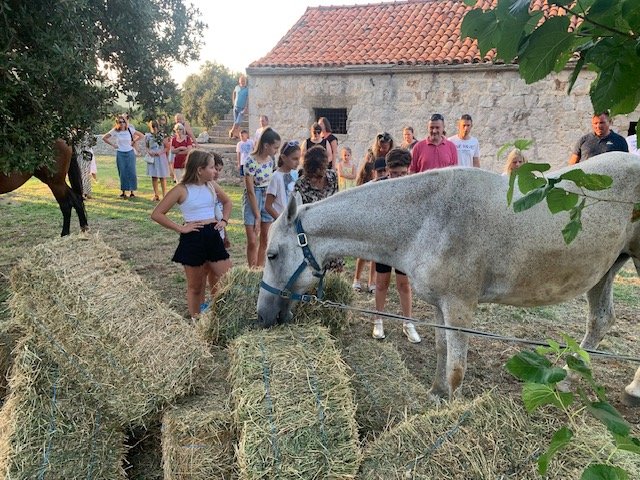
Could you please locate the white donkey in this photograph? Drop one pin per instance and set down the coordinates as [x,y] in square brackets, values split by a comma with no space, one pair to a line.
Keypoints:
[452,233]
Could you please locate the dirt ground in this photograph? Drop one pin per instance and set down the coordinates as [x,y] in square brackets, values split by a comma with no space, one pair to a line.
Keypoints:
[148,253]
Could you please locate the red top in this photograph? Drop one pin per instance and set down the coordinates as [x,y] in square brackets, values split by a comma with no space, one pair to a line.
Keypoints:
[426,155]
[179,159]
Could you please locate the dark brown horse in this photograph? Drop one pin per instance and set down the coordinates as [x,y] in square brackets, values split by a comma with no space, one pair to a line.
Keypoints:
[67,197]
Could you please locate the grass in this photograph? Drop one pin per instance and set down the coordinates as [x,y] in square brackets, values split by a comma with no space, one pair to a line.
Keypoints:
[30,216]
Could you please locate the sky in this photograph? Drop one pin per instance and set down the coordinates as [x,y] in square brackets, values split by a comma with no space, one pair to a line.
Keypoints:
[241,31]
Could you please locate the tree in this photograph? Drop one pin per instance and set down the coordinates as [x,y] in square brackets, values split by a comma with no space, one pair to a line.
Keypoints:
[62,64]
[206,96]
[602,35]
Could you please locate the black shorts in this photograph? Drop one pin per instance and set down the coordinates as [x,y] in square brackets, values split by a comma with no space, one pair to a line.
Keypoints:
[382,268]
[204,245]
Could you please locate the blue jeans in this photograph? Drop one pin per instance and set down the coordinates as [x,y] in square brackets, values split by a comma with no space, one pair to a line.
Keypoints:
[237,115]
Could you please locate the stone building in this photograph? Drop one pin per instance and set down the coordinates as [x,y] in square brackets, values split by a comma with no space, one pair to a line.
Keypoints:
[379,67]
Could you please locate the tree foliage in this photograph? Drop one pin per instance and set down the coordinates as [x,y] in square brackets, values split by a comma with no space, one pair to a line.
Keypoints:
[206,96]
[63,63]
[602,35]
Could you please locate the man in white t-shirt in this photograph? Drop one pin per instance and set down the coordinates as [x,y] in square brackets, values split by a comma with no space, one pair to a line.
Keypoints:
[632,140]
[264,123]
[468,147]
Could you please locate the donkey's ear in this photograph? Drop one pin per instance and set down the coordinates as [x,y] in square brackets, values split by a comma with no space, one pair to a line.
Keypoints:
[292,208]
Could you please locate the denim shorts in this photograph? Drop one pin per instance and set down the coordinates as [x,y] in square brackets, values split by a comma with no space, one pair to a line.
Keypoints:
[261,198]
[238,115]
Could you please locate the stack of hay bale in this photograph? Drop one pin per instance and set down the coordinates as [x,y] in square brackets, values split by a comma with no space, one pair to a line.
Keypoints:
[234,312]
[95,334]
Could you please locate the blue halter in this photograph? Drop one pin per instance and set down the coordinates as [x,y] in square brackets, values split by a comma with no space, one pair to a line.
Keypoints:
[308,261]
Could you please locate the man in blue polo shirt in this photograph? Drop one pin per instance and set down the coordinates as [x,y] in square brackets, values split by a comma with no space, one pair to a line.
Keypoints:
[602,140]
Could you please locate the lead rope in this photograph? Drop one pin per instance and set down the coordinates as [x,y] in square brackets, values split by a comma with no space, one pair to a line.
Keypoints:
[469,331]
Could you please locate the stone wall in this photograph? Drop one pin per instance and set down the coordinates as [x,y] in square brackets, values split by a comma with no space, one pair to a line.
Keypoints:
[503,107]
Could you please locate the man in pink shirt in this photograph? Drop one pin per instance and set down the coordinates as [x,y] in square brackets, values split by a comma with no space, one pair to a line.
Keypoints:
[435,151]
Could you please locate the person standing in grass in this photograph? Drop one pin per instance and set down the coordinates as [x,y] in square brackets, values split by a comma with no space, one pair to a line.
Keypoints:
[201,248]
[283,180]
[157,144]
[258,171]
[126,137]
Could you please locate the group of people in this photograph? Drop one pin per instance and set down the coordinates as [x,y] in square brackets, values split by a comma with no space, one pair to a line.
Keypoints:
[166,152]
[273,169]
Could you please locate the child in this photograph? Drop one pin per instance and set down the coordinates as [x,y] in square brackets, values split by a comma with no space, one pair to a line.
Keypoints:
[200,248]
[397,165]
[158,145]
[218,212]
[243,149]
[283,180]
[346,170]
[258,170]
[365,175]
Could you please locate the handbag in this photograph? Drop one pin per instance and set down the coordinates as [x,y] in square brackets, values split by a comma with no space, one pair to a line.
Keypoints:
[149,159]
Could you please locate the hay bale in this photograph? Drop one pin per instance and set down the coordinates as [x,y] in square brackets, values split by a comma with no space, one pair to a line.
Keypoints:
[294,406]
[385,391]
[10,333]
[233,309]
[50,429]
[489,437]
[98,319]
[144,455]
[199,434]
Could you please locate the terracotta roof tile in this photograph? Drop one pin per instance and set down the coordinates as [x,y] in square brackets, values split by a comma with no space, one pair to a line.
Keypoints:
[413,32]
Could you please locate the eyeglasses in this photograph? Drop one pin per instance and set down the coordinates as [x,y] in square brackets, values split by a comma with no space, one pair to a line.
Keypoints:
[437,116]
[384,137]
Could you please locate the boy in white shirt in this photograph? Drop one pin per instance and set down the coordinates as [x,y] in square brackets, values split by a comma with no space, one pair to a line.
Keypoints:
[243,149]
[467,146]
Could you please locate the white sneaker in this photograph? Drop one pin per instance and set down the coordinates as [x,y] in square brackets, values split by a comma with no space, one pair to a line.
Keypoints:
[378,330]
[410,331]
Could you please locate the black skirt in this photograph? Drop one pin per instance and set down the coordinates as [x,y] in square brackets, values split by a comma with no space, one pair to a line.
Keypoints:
[204,245]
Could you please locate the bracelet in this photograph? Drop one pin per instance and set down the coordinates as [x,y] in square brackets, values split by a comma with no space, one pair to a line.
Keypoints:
[225,221]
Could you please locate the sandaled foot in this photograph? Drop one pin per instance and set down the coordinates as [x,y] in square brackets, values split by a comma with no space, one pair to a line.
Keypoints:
[410,331]
[357,287]
[372,288]
[131,195]
[156,198]
[378,330]
[123,195]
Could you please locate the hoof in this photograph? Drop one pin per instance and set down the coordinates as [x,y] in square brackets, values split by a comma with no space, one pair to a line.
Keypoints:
[629,400]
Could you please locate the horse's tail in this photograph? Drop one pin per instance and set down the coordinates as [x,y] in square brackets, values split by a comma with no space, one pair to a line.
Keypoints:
[75,176]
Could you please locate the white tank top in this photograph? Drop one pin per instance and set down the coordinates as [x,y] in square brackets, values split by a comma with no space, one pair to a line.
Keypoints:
[199,204]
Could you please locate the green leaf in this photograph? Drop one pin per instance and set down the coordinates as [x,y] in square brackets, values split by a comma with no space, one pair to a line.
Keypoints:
[631,13]
[604,472]
[482,26]
[571,230]
[524,144]
[528,180]
[589,181]
[530,199]
[470,3]
[560,439]
[627,443]
[635,214]
[579,366]
[559,200]
[535,395]
[608,415]
[546,45]
[532,367]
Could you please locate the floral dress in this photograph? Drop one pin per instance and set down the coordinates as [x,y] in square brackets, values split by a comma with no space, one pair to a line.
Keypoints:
[311,194]
[160,166]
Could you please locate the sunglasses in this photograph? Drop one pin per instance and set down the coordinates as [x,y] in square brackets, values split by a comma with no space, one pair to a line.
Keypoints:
[317,131]
[437,116]
[384,137]
[288,145]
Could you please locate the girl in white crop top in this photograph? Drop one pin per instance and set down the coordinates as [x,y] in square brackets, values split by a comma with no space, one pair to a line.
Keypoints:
[201,248]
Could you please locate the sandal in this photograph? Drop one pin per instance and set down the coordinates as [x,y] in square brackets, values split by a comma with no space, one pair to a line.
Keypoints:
[132,195]
[372,288]
[156,198]
[357,287]
[123,195]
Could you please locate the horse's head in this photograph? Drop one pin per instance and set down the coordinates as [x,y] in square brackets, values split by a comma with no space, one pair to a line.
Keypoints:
[290,268]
